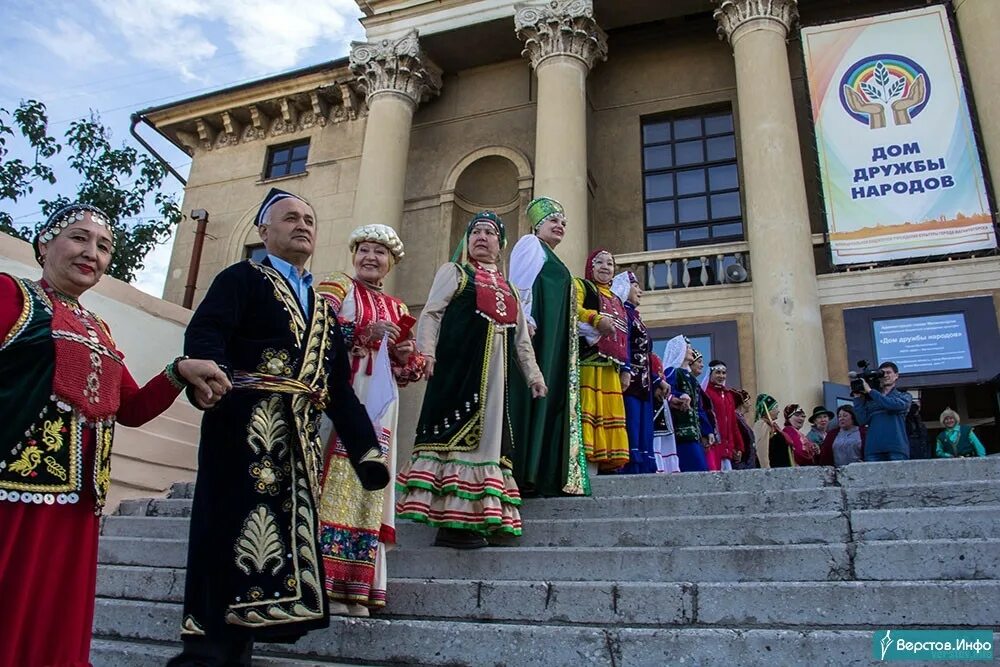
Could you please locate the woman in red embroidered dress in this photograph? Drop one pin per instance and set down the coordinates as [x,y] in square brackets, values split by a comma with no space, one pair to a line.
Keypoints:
[65,386]
[357,526]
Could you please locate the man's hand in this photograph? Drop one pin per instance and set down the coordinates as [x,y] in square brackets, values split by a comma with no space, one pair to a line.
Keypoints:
[538,389]
[209,381]
[626,379]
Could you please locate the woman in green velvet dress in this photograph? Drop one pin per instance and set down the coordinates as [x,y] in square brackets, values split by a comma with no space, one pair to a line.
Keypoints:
[549,457]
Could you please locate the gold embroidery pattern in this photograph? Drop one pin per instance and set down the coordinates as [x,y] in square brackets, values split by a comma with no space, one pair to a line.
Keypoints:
[102,465]
[304,411]
[275,362]
[289,301]
[72,482]
[27,310]
[300,605]
[191,627]
[260,543]
[54,468]
[577,477]
[52,431]
[31,456]
[267,475]
[268,429]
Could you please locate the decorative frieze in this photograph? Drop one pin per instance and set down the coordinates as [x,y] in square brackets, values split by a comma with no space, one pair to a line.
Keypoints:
[266,119]
[731,14]
[560,28]
[395,66]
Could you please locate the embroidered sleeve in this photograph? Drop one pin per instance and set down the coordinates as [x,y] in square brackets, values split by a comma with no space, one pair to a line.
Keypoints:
[334,288]
[413,369]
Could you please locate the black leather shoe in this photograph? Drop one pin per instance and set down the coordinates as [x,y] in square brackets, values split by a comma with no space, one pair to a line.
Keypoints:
[458,539]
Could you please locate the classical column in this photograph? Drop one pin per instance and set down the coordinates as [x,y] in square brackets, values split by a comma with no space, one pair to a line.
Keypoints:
[788,332]
[978,21]
[563,42]
[396,77]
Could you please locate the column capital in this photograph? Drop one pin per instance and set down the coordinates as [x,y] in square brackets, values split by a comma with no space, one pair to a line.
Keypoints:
[560,27]
[734,14]
[395,66]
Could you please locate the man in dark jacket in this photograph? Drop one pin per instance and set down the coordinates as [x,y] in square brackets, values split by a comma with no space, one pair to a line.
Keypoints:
[883,411]
[254,569]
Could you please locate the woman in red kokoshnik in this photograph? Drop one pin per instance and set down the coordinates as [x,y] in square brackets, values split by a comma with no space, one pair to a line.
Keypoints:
[357,526]
[65,387]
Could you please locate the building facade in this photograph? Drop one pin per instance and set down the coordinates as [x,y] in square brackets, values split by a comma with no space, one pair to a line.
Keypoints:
[679,135]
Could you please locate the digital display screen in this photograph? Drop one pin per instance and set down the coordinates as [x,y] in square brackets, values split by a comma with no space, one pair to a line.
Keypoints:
[924,344]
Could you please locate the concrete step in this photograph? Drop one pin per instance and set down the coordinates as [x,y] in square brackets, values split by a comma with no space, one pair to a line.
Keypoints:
[112,653]
[856,475]
[925,471]
[797,528]
[763,563]
[753,604]
[692,504]
[776,479]
[716,563]
[946,494]
[452,643]
[927,559]
[828,499]
[927,523]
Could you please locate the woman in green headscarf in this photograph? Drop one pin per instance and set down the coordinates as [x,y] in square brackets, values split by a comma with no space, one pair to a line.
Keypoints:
[471,331]
[549,457]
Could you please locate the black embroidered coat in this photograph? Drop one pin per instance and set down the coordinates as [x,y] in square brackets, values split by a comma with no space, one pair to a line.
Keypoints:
[254,566]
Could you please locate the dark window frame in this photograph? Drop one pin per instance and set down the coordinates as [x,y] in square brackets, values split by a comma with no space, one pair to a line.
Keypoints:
[707,226]
[283,158]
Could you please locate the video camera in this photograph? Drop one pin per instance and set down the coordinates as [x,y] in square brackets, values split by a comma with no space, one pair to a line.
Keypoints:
[873,376]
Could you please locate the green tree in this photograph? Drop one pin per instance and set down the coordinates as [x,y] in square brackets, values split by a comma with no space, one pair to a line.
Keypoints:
[120,181]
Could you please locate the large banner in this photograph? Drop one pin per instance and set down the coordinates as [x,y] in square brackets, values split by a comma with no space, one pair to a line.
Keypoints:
[898,160]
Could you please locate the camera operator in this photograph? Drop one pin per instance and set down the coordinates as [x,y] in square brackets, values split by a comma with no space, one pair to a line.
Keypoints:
[883,411]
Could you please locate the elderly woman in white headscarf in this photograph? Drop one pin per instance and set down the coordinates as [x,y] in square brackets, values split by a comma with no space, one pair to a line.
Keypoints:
[357,526]
[685,404]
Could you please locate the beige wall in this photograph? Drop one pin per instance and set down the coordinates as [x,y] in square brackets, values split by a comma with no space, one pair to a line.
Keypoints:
[658,69]
[227,182]
[145,460]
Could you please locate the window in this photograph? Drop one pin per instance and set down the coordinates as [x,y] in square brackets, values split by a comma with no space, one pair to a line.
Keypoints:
[286,159]
[256,252]
[691,188]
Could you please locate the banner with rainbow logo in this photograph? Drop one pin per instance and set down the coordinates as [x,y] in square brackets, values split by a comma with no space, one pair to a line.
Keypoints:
[898,159]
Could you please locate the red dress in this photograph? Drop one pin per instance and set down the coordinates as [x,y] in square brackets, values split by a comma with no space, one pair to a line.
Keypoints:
[48,553]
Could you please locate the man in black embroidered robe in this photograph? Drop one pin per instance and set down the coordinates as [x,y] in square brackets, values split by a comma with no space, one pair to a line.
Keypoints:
[254,568]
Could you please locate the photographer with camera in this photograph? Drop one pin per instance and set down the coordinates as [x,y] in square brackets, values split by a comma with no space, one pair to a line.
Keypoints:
[883,410]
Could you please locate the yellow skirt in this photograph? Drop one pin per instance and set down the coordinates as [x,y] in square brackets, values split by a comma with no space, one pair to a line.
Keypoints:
[604,436]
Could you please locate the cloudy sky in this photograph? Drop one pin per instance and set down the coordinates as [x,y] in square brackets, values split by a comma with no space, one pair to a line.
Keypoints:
[119,56]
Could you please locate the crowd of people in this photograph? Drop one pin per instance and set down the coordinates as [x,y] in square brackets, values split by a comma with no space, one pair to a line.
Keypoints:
[537,381]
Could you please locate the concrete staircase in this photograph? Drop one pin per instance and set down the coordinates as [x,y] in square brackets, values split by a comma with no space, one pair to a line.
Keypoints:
[775,567]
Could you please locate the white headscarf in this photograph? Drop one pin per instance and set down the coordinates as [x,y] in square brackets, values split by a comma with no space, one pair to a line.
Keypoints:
[676,350]
[622,285]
